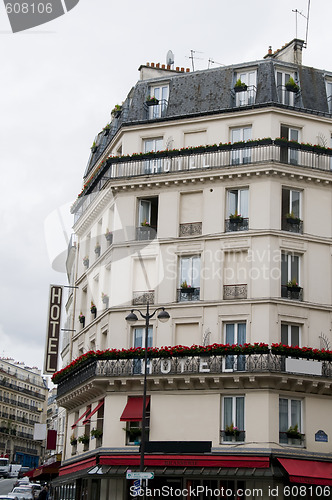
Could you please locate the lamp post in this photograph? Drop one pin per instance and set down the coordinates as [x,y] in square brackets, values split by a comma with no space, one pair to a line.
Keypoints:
[163,316]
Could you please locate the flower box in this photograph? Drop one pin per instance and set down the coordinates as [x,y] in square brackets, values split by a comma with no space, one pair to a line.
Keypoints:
[293,220]
[187,290]
[240,88]
[152,102]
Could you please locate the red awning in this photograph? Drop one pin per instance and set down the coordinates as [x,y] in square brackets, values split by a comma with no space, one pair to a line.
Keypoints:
[133,411]
[77,466]
[75,424]
[308,471]
[86,420]
[229,461]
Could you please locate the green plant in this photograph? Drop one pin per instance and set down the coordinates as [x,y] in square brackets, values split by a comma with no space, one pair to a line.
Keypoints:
[232,430]
[73,440]
[293,432]
[292,283]
[184,284]
[145,223]
[152,99]
[240,85]
[83,439]
[81,317]
[94,146]
[291,85]
[96,433]
[116,110]
[93,308]
[292,216]
[235,217]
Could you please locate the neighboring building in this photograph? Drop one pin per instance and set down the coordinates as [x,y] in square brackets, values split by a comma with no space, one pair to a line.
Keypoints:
[23,396]
[229,228]
[56,420]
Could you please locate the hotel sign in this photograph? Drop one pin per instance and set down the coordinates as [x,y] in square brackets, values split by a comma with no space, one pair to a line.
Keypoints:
[53,330]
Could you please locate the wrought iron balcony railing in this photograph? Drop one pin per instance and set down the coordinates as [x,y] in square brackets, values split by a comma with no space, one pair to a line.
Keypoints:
[202,159]
[241,224]
[140,298]
[190,229]
[233,292]
[292,292]
[292,439]
[144,233]
[292,225]
[185,366]
[188,294]
[230,437]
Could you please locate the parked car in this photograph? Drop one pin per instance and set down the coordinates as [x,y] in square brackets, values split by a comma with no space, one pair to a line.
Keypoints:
[25,492]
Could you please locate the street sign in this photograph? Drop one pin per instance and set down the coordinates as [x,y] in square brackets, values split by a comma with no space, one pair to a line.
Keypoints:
[139,475]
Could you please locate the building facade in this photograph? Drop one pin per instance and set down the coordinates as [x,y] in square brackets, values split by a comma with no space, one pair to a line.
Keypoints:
[23,397]
[209,194]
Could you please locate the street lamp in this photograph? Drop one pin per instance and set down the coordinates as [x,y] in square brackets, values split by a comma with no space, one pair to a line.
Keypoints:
[163,316]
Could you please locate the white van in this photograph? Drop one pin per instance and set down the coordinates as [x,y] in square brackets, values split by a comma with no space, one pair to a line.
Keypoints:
[14,469]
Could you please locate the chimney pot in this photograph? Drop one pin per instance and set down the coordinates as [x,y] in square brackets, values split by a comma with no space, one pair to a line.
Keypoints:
[157,65]
[182,69]
[163,66]
[152,65]
[177,68]
[168,66]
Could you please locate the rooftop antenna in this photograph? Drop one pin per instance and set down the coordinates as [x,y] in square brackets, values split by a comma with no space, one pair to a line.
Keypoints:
[192,57]
[306,33]
[170,58]
[296,13]
[214,62]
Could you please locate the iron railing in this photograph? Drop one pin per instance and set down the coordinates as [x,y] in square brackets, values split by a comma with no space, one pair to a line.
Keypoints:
[232,292]
[203,159]
[292,292]
[188,294]
[241,224]
[292,225]
[177,366]
[190,229]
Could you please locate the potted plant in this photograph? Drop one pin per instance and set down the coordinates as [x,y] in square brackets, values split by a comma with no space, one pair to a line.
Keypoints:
[293,432]
[293,286]
[145,223]
[83,439]
[105,298]
[185,288]
[240,86]
[231,430]
[116,111]
[93,309]
[236,218]
[97,249]
[94,147]
[152,101]
[86,261]
[81,318]
[73,440]
[96,433]
[106,129]
[109,236]
[292,219]
[291,86]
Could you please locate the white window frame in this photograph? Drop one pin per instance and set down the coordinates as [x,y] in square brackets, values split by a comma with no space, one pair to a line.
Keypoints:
[243,155]
[240,196]
[328,84]
[285,96]
[160,92]
[290,256]
[291,195]
[153,144]
[236,361]
[247,97]
[191,279]
[234,408]
[289,414]
[289,333]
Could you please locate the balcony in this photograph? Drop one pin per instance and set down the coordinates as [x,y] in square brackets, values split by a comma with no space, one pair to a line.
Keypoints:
[287,438]
[190,229]
[292,225]
[292,292]
[145,233]
[234,292]
[235,437]
[201,159]
[188,294]
[142,298]
[190,366]
[155,110]
[241,224]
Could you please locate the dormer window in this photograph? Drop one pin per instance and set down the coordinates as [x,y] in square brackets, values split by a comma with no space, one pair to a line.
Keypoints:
[158,96]
[249,81]
[329,94]
[285,93]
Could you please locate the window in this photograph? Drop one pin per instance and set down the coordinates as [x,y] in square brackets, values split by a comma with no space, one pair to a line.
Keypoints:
[329,95]
[290,421]
[147,218]
[235,333]
[190,269]
[241,155]
[161,93]
[191,214]
[139,341]
[290,334]
[289,155]
[233,419]
[291,210]
[154,165]
[247,96]
[290,276]
[284,95]
[237,209]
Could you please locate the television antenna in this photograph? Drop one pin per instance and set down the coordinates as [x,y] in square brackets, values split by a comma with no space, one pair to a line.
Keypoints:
[192,57]
[298,12]
[211,61]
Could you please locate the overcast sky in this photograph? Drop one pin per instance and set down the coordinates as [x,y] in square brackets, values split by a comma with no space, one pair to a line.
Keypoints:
[59,83]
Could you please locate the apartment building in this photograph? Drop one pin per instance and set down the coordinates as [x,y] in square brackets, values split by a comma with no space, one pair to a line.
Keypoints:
[208,194]
[23,396]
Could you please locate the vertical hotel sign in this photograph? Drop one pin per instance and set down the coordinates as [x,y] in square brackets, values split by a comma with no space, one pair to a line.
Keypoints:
[53,330]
